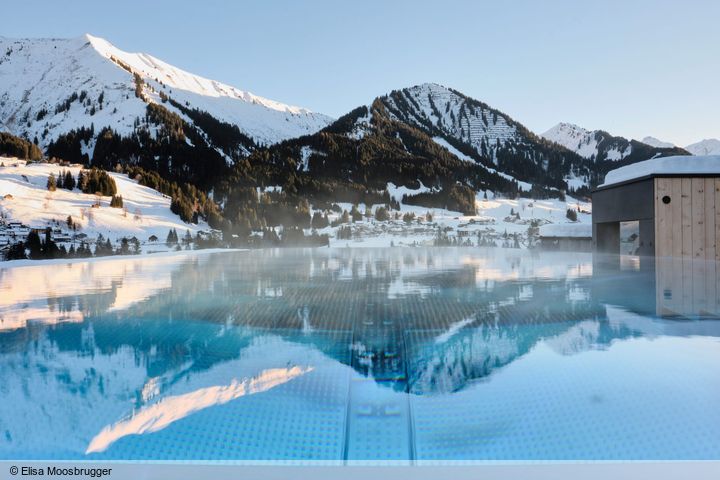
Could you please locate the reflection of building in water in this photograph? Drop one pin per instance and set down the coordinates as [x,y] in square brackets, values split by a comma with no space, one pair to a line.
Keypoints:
[687,286]
[675,202]
[664,286]
[573,237]
[367,352]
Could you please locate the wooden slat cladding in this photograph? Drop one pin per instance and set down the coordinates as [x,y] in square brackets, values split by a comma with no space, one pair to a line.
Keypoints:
[687,245]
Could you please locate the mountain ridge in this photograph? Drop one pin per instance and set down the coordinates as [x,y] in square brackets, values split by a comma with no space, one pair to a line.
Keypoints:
[58,68]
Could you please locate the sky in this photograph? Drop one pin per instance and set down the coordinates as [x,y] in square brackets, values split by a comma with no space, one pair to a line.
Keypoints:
[633,67]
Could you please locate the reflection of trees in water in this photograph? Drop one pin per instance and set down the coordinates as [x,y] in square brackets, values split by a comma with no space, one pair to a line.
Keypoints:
[217,304]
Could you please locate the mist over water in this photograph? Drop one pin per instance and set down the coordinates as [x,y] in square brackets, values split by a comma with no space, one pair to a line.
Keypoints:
[362,354]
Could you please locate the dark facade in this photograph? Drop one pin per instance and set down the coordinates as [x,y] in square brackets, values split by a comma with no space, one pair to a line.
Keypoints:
[624,202]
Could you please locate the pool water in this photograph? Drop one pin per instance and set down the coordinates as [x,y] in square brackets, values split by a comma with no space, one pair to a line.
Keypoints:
[344,355]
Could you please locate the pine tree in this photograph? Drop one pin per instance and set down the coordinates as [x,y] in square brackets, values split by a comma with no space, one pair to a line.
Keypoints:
[16,251]
[381,214]
[172,237]
[51,183]
[355,214]
[69,180]
[124,248]
[116,201]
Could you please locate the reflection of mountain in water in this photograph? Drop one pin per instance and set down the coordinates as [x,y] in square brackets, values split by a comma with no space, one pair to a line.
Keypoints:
[420,321]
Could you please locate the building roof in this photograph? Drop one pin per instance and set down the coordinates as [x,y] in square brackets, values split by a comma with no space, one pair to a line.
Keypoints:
[677,165]
[562,230]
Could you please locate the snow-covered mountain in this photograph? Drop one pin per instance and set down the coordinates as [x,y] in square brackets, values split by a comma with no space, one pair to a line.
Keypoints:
[599,145]
[710,146]
[656,142]
[52,86]
[485,134]
[575,138]
[453,114]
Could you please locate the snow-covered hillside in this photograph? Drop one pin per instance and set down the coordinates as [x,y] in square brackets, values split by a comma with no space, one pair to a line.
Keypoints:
[454,115]
[25,199]
[51,86]
[710,146]
[603,150]
[497,222]
[488,135]
[586,143]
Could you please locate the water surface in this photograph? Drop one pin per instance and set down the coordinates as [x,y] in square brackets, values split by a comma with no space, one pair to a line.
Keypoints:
[387,354]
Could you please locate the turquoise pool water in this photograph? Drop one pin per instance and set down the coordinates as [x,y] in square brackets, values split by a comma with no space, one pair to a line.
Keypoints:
[373,355]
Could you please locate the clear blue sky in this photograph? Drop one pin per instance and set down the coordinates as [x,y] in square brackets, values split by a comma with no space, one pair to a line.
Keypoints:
[632,67]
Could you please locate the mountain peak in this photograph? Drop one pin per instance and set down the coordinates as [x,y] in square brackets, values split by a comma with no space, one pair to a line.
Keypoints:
[567,127]
[655,142]
[573,137]
[53,86]
[599,145]
[708,146]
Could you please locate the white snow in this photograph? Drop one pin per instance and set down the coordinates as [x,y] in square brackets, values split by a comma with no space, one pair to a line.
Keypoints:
[675,165]
[454,117]
[37,74]
[575,138]
[585,143]
[709,146]
[397,193]
[655,142]
[444,143]
[305,153]
[575,229]
[146,212]
[493,220]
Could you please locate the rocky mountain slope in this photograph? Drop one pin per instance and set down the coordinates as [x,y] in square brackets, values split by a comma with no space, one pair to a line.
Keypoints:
[600,146]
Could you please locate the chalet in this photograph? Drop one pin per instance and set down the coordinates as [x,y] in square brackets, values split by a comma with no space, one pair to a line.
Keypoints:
[673,201]
[674,205]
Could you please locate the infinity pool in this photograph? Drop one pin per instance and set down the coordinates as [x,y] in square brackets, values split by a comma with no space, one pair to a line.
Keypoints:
[342,355]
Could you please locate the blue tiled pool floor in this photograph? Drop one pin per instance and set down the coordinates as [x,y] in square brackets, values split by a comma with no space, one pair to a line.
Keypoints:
[381,355]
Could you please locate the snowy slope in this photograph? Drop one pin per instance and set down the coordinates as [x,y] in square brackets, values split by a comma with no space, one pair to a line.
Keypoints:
[488,135]
[587,143]
[25,198]
[710,146]
[38,75]
[605,151]
[455,115]
[656,142]
[497,221]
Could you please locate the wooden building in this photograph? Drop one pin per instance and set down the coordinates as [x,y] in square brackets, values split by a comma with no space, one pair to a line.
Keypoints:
[676,204]
[675,200]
